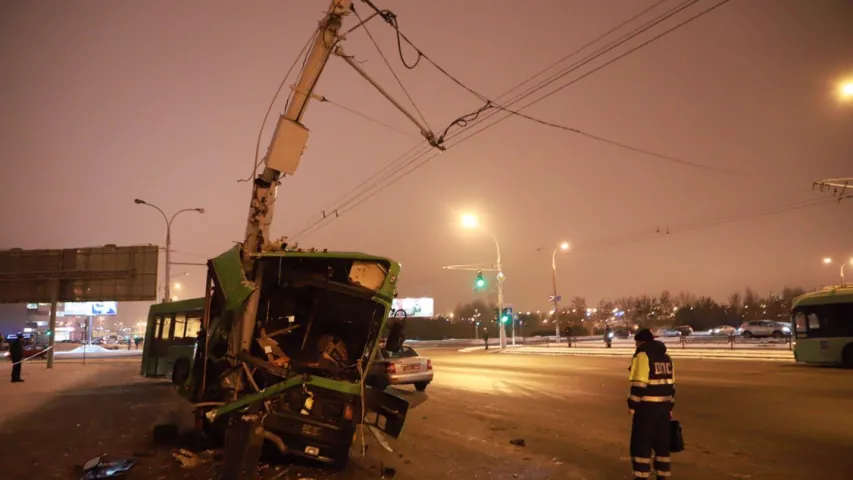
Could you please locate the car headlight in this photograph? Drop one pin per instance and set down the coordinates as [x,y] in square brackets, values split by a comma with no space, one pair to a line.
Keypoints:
[786,329]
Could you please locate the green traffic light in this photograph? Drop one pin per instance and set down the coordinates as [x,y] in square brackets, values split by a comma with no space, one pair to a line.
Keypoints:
[481,283]
[504,319]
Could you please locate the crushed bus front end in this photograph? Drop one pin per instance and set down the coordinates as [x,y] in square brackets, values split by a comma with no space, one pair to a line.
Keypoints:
[300,386]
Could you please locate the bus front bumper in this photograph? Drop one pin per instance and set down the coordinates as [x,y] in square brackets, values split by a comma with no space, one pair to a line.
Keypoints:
[311,438]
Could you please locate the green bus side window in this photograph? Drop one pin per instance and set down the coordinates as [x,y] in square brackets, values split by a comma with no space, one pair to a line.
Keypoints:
[193,326]
[166,329]
[180,325]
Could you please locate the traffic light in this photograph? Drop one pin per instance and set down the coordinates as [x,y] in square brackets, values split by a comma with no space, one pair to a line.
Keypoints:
[480,282]
[506,315]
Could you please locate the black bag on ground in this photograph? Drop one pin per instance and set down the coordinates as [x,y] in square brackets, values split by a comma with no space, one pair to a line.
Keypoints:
[676,440]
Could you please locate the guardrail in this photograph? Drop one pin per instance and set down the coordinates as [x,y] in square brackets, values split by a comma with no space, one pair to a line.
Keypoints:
[695,341]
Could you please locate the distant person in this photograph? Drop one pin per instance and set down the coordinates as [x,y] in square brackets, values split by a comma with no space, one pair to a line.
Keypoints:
[569,335]
[608,340]
[486,337]
[129,343]
[650,403]
[16,353]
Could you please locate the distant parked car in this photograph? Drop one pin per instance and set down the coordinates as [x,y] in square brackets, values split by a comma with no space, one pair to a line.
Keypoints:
[764,328]
[667,332]
[405,367]
[30,350]
[684,329]
[726,330]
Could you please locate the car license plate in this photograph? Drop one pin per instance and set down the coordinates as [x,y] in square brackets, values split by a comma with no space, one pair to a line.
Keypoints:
[411,368]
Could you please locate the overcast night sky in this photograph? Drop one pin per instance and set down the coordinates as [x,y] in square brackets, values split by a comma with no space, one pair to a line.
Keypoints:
[105,101]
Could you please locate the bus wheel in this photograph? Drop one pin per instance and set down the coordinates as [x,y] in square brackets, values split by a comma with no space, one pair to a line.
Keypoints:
[847,356]
[180,372]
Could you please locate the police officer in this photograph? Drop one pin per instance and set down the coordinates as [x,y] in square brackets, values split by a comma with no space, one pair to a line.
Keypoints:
[650,402]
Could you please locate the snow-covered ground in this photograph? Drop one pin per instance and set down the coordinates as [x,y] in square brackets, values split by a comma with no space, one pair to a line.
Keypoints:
[41,385]
[99,350]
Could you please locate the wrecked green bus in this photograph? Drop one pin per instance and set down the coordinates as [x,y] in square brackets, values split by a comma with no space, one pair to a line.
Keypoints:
[300,387]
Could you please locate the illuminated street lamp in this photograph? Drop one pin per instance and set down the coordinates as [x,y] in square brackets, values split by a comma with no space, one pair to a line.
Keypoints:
[845,91]
[471,222]
[828,261]
[563,247]
[168,293]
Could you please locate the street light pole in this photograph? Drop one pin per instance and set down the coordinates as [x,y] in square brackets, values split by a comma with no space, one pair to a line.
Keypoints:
[471,221]
[500,279]
[167,290]
[564,247]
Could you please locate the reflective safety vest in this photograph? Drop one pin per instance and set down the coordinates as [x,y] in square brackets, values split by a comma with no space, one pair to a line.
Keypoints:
[652,377]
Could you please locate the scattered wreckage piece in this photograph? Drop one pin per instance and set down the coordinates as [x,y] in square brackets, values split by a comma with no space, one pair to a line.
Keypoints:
[98,469]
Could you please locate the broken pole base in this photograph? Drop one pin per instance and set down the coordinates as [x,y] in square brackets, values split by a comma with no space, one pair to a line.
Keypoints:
[242,452]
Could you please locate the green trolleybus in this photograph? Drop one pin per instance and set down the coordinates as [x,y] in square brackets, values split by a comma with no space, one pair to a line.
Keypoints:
[170,337]
[823,326]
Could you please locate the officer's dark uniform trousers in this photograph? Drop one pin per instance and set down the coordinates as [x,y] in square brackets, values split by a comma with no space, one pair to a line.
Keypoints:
[652,398]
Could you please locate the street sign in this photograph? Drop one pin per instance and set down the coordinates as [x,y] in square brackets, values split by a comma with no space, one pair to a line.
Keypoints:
[96,274]
[552,299]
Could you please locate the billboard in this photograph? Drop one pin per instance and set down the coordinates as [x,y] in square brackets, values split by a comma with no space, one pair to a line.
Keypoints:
[95,274]
[91,309]
[415,307]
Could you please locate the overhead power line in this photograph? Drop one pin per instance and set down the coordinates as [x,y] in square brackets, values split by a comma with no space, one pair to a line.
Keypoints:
[392,20]
[325,99]
[421,159]
[388,64]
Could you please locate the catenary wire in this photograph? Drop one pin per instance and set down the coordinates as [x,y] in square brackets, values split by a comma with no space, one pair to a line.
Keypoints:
[609,47]
[404,155]
[467,134]
[598,53]
[576,65]
[392,20]
[323,221]
[622,55]
[388,64]
[369,118]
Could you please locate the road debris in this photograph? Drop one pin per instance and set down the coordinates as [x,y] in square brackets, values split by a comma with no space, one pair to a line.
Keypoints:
[518,442]
[96,468]
[189,459]
[387,472]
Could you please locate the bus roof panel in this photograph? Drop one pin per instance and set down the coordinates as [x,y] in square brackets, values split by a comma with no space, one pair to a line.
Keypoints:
[179,306]
[321,254]
[825,296]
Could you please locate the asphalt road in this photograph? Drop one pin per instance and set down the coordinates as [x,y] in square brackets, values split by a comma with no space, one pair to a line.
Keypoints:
[742,420]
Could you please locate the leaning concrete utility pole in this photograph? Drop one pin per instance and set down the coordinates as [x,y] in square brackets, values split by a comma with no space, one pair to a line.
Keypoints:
[282,158]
